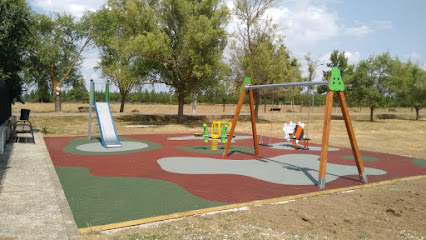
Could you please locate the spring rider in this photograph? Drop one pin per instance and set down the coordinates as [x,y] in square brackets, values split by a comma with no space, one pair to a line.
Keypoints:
[216,133]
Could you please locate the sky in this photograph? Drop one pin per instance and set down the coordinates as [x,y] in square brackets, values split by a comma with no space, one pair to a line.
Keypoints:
[359,28]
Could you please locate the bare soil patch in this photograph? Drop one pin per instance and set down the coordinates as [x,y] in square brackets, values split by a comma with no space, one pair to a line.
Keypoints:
[390,211]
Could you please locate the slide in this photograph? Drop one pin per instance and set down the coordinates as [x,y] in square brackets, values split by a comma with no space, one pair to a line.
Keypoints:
[106,125]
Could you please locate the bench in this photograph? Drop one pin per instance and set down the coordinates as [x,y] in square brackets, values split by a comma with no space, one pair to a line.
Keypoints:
[275,109]
[85,109]
[392,110]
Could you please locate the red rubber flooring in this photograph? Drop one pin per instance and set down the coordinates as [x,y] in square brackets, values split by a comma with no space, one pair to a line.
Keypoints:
[221,187]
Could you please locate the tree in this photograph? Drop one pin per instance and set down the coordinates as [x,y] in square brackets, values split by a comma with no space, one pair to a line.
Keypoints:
[37,77]
[220,88]
[369,82]
[14,21]
[339,60]
[260,53]
[188,47]
[409,84]
[54,53]
[312,66]
[78,92]
[224,90]
[113,28]
[43,92]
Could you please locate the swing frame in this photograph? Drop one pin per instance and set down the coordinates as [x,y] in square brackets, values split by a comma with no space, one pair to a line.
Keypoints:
[326,126]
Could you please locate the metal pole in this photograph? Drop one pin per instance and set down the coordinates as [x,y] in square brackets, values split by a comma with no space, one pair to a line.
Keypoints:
[107,91]
[92,90]
[296,84]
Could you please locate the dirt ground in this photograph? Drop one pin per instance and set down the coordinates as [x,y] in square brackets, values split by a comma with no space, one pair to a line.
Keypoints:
[395,210]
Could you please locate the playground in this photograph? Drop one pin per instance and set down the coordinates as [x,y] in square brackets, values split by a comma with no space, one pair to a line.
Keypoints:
[94,189]
[126,180]
[112,179]
[155,175]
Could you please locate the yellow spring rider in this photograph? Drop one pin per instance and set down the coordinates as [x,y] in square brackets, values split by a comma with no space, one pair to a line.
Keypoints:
[216,132]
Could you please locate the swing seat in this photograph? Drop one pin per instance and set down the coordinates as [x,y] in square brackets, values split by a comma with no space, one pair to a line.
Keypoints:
[305,143]
[299,135]
[289,129]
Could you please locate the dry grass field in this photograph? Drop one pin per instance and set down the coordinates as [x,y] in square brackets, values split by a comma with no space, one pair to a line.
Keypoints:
[394,132]
[395,210]
[72,107]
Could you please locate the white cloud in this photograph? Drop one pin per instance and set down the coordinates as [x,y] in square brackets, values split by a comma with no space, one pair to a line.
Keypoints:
[413,56]
[318,70]
[353,57]
[423,66]
[360,31]
[91,58]
[382,24]
[306,23]
[301,22]
[75,7]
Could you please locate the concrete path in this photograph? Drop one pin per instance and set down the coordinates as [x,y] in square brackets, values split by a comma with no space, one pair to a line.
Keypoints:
[32,202]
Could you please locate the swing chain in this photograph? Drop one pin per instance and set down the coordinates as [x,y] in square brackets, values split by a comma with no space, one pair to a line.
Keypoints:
[260,119]
[272,116]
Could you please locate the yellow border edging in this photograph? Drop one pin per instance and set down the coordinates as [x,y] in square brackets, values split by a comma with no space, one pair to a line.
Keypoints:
[237,205]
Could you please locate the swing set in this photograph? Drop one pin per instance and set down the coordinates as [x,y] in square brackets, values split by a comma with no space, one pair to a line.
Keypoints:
[293,132]
[335,84]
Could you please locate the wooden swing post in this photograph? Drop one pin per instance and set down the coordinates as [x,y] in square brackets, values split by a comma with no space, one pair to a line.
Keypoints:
[326,134]
[351,134]
[325,138]
[334,85]
[234,121]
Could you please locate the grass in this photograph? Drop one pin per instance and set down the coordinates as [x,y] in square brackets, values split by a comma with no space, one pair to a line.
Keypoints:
[396,136]
[153,108]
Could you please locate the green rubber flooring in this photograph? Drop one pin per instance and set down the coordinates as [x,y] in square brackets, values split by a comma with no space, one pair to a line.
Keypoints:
[103,200]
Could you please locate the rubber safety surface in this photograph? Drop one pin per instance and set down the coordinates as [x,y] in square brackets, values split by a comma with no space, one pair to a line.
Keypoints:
[154,175]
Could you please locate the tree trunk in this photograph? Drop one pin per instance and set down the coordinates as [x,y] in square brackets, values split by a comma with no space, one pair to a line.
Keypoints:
[57,97]
[181,102]
[223,104]
[417,112]
[194,103]
[264,108]
[123,100]
[371,114]
[256,97]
